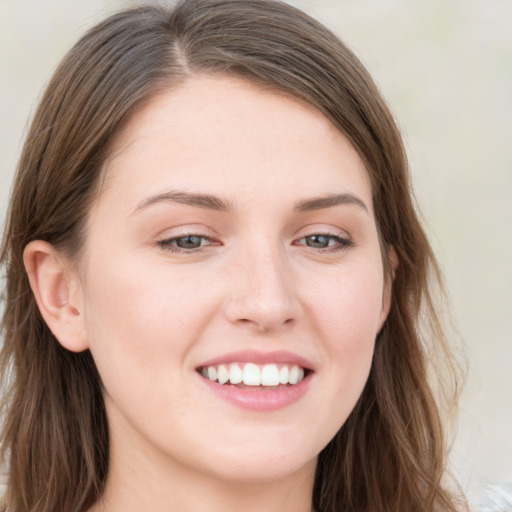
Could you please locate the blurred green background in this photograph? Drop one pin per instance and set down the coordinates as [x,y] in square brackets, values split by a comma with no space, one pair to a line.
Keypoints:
[445,67]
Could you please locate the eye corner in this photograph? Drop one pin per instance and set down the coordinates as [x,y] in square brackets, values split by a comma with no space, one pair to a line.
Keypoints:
[325,242]
[187,243]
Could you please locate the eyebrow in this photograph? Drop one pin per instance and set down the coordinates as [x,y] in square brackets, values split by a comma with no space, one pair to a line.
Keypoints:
[206,201]
[319,203]
[211,202]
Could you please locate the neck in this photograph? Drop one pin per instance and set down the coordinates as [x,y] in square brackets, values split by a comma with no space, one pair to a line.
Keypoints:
[132,489]
[142,478]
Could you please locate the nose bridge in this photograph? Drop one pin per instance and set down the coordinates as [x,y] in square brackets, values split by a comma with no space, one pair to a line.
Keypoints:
[267,273]
[263,294]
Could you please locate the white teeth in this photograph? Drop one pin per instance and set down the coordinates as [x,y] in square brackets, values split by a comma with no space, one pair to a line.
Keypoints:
[270,375]
[250,374]
[293,378]
[212,373]
[235,374]
[222,374]
[283,375]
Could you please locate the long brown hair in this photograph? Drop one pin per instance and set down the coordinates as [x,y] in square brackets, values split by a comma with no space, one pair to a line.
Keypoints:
[390,455]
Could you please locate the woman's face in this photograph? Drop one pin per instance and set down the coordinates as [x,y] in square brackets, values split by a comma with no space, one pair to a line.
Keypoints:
[234,238]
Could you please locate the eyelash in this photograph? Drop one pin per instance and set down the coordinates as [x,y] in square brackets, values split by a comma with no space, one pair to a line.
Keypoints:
[341,243]
[169,244]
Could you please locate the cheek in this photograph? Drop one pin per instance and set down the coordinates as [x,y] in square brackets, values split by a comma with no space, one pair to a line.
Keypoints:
[348,305]
[348,312]
[139,321]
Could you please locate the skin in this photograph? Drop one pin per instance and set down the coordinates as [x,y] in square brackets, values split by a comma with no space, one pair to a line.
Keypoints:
[151,314]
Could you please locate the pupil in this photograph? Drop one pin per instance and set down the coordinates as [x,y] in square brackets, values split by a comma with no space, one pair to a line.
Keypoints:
[318,241]
[189,242]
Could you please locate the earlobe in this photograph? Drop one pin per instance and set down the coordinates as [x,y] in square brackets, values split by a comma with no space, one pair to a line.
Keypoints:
[57,293]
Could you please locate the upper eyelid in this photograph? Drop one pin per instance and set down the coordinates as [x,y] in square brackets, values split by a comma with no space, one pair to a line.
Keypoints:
[212,235]
[184,235]
[186,230]
[343,240]
[334,232]
[327,235]
[166,244]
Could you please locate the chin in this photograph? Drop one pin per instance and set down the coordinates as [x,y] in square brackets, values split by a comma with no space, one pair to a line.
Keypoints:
[263,470]
[263,459]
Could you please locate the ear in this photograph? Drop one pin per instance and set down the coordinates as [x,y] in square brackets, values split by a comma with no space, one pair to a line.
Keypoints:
[58,294]
[388,285]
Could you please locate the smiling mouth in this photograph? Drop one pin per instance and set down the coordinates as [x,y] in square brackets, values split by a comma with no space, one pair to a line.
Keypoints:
[251,375]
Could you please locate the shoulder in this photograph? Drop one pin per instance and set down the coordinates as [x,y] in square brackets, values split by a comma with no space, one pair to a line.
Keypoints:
[495,498]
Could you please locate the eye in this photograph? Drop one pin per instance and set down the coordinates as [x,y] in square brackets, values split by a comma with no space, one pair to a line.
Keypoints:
[326,242]
[185,243]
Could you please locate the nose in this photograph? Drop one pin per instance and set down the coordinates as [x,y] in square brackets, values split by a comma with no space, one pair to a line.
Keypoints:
[263,295]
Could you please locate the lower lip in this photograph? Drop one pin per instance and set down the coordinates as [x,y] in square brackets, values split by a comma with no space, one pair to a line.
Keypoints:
[260,399]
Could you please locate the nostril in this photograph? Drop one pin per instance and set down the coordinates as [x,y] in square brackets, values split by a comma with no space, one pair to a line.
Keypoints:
[262,313]
[262,326]
[245,321]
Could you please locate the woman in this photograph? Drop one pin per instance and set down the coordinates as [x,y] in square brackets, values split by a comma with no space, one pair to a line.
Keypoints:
[215,274]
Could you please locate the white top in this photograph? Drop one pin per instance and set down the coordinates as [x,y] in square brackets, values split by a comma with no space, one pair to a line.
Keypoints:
[495,498]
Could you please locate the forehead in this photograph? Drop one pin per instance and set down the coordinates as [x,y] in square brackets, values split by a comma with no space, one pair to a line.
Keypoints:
[224,136]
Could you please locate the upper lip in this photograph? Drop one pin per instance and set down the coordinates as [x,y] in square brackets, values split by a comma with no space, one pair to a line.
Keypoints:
[258,357]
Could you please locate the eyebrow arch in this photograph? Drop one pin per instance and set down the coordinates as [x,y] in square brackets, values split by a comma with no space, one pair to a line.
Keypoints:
[318,203]
[206,201]
[211,202]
